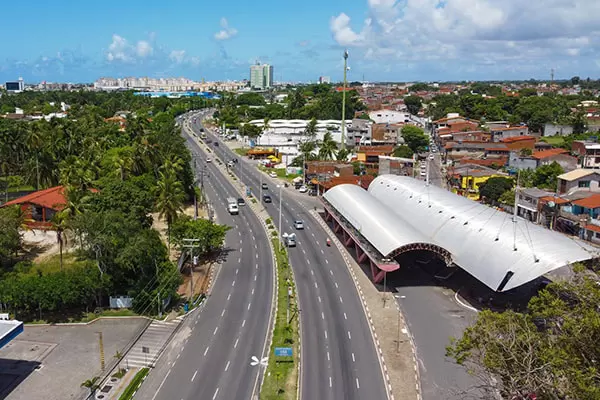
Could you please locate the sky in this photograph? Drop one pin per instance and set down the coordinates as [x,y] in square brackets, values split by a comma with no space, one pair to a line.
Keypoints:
[387,40]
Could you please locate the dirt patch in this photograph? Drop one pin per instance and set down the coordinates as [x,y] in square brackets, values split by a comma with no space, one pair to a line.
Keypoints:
[161,226]
[40,245]
[201,274]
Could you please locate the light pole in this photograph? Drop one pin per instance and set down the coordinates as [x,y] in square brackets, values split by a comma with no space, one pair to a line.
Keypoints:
[344,101]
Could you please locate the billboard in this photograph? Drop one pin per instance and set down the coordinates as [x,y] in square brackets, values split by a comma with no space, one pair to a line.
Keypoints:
[12,86]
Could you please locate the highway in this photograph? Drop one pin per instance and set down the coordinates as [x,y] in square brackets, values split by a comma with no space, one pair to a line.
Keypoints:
[339,358]
[233,324]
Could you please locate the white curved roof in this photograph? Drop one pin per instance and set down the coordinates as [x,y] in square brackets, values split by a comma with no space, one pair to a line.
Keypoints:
[378,224]
[297,123]
[480,239]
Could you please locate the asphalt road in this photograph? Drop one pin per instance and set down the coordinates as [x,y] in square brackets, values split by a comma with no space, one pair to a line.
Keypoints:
[339,358]
[232,326]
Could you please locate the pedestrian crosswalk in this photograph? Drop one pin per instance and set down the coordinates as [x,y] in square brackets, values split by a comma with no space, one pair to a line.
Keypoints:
[146,350]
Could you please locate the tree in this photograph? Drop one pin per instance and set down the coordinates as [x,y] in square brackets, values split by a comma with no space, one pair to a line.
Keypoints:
[306,149]
[91,384]
[545,176]
[524,152]
[550,350]
[494,187]
[507,198]
[342,154]
[327,147]
[311,129]
[11,220]
[251,131]
[403,151]
[170,198]
[413,104]
[209,234]
[414,138]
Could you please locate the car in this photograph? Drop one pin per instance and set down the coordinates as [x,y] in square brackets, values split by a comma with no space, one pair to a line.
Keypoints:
[265,186]
[273,174]
[434,150]
[303,189]
[230,164]
[216,143]
[208,160]
[312,192]
[431,157]
[267,198]
[297,185]
[299,224]
[241,201]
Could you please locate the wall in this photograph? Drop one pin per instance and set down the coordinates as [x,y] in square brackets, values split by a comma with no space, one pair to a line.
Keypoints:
[557,130]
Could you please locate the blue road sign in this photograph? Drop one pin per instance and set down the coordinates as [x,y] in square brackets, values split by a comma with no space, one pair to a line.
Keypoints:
[283,352]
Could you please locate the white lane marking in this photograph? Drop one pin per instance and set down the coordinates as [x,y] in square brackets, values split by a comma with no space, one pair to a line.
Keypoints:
[233,284]
[312,272]
[325,334]
[256,255]
[206,351]
[328,359]
[322,252]
[239,260]
[237,270]
[228,296]
[161,384]
[349,337]
[345,316]
[331,272]
[336,285]
[238,339]
[357,384]
[227,366]
[316,287]
[312,234]
[253,237]
[216,329]
[243,323]
[327,261]
[254,277]
[322,315]
[304,251]
[249,304]
[215,395]
[341,301]
[222,313]
[255,246]
[178,355]
[330,383]
[240,241]
[353,359]
[194,376]
[252,291]
[308,261]
[256,266]
[319,297]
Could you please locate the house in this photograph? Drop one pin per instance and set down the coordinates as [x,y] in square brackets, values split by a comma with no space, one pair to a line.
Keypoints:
[498,134]
[389,117]
[459,137]
[370,154]
[579,180]
[560,156]
[40,207]
[387,133]
[557,130]
[589,207]
[324,170]
[362,181]
[519,142]
[455,123]
[588,153]
[396,166]
[529,205]
[465,179]
[471,149]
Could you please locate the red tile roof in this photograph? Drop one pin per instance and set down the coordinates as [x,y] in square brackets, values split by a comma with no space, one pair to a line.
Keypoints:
[517,139]
[548,153]
[589,202]
[510,128]
[53,198]
[556,200]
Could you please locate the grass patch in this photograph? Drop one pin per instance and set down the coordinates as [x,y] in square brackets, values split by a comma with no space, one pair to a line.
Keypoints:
[556,141]
[124,312]
[52,265]
[134,385]
[281,376]
[120,373]
[241,151]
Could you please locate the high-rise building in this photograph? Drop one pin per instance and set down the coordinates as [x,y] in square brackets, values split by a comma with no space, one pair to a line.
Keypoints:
[261,76]
[324,79]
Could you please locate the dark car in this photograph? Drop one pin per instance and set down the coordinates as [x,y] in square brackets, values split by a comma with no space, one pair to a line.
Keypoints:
[241,202]
[265,186]
[267,198]
[216,144]
[312,192]
[297,185]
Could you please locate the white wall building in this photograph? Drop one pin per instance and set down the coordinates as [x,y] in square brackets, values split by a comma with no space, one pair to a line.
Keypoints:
[395,117]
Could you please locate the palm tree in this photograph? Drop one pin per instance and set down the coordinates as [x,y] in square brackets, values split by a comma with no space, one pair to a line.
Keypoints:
[170,199]
[311,129]
[342,154]
[306,149]
[266,125]
[91,384]
[327,147]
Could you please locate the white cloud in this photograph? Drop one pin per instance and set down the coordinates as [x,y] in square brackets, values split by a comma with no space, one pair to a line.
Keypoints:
[118,50]
[177,56]
[144,49]
[226,31]
[518,32]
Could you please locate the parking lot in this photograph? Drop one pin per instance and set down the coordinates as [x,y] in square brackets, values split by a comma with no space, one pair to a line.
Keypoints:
[51,362]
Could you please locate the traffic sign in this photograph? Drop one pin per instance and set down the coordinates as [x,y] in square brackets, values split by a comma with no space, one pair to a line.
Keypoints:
[283,351]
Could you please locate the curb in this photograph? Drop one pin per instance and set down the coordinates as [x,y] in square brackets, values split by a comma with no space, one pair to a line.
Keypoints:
[343,251]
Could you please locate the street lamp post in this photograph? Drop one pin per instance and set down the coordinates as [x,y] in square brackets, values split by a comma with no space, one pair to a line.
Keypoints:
[280,197]
[344,101]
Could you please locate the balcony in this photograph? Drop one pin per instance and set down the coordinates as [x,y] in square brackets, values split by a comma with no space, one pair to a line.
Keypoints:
[578,219]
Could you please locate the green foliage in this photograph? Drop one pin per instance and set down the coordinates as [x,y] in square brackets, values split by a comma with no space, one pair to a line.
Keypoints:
[251,131]
[413,104]
[134,385]
[250,99]
[507,198]
[551,350]
[403,151]
[327,147]
[210,235]
[11,219]
[420,87]
[495,187]
[414,138]
[545,176]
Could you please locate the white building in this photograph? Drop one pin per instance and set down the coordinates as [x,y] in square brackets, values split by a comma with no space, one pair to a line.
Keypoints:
[261,76]
[390,117]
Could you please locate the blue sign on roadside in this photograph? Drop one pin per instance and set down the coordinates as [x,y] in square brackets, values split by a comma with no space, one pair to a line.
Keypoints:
[283,352]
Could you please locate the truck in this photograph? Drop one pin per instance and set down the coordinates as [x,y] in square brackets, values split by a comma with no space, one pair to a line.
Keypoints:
[232,206]
[289,239]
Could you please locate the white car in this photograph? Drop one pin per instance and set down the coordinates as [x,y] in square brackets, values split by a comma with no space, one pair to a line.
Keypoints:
[431,157]
[208,160]
[303,189]
[299,224]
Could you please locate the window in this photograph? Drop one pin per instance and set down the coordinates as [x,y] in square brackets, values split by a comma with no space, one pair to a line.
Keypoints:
[584,184]
[597,235]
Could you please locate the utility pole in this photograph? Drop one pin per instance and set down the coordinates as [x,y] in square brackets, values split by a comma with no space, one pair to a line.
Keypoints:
[344,101]
[37,173]
[191,244]
[158,292]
